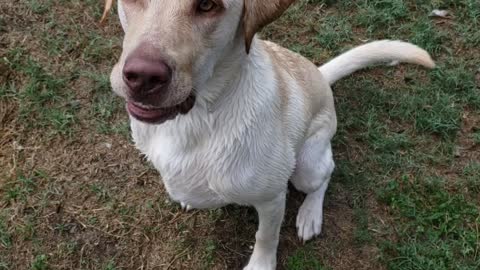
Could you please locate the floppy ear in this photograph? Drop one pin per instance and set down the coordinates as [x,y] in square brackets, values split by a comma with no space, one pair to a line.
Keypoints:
[260,13]
[107,8]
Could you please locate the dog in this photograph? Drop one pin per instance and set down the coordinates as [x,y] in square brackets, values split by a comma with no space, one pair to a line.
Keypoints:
[226,117]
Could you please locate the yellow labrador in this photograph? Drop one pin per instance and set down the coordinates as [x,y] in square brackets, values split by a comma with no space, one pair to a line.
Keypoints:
[229,118]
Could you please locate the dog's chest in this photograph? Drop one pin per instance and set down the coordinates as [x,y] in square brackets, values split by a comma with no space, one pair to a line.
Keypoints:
[220,166]
[189,176]
[186,173]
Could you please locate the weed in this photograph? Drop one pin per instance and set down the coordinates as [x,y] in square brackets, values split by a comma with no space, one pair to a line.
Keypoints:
[23,186]
[3,265]
[110,265]
[5,235]
[304,259]
[101,192]
[476,137]
[471,173]
[40,262]
[39,7]
[27,229]
[209,254]
[362,234]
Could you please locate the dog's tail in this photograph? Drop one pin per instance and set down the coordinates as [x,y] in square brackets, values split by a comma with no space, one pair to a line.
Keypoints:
[377,52]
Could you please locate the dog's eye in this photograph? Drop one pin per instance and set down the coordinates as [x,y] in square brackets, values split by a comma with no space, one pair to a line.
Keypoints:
[206,6]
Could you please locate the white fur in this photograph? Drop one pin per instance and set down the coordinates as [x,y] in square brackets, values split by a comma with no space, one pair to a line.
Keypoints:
[190,150]
[377,52]
[240,144]
[122,16]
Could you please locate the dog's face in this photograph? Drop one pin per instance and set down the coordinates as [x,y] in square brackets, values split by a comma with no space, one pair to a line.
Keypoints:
[172,46]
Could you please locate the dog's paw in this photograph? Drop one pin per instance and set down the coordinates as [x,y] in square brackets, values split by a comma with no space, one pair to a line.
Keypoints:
[265,263]
[186,207]
[309,219]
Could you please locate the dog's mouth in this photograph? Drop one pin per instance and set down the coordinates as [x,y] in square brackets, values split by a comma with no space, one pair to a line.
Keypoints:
[152,115]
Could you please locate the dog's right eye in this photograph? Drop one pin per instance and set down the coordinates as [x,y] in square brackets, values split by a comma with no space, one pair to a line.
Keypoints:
[206,6]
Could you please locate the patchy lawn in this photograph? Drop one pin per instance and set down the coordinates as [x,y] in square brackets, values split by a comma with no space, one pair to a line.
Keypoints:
[75,194]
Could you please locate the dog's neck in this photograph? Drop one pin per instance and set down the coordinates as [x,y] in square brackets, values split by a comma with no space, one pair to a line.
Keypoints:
[232,64]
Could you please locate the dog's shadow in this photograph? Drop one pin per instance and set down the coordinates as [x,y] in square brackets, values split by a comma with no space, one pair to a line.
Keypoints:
[235,233]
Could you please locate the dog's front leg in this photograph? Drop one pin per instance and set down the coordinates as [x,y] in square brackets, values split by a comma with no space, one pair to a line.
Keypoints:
[270,216]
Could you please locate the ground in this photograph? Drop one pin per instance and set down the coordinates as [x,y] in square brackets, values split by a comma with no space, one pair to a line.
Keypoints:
[75,194]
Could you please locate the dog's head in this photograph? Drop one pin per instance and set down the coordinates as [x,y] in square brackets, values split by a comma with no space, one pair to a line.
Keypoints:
[172,46]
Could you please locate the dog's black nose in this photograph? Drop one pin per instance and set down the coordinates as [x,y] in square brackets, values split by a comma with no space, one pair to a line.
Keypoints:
[146,76]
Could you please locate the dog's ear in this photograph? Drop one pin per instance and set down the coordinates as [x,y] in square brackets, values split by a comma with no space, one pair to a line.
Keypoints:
[260,13]
[108,7]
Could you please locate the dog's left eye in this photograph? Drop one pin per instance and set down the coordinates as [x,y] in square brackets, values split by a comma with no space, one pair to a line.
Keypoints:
[206,6]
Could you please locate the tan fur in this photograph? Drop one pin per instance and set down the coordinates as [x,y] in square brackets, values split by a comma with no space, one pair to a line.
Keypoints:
[177,48]
[260,13]
[257,14]
[305,73]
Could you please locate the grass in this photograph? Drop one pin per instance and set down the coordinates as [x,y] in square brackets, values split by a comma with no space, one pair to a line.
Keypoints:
[209,254]
[304,259]
[5,235]
[42,103]
[3,265]
[40,263]
[110,266]
[23,186]
[105,106]
[438,230]
[75,194]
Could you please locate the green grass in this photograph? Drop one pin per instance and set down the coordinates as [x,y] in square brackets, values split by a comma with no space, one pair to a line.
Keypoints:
[332,31]
[40,262]
[5,235]
[471,175]
[42,100]
[110,265]
[381,15]
[437,229]
[209,254]
[106,106]
[23,186]
[406,129]
[39,7]
[4,265]
[304,259]
[100,192]
[476,137]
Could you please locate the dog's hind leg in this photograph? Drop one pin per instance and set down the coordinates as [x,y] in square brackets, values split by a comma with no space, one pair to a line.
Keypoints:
[314,168]
[270,216]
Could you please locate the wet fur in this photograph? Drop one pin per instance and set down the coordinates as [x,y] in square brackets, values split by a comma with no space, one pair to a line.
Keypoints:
[260,118]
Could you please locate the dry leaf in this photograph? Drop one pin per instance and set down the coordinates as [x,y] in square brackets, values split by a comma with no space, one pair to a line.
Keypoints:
[440,13]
